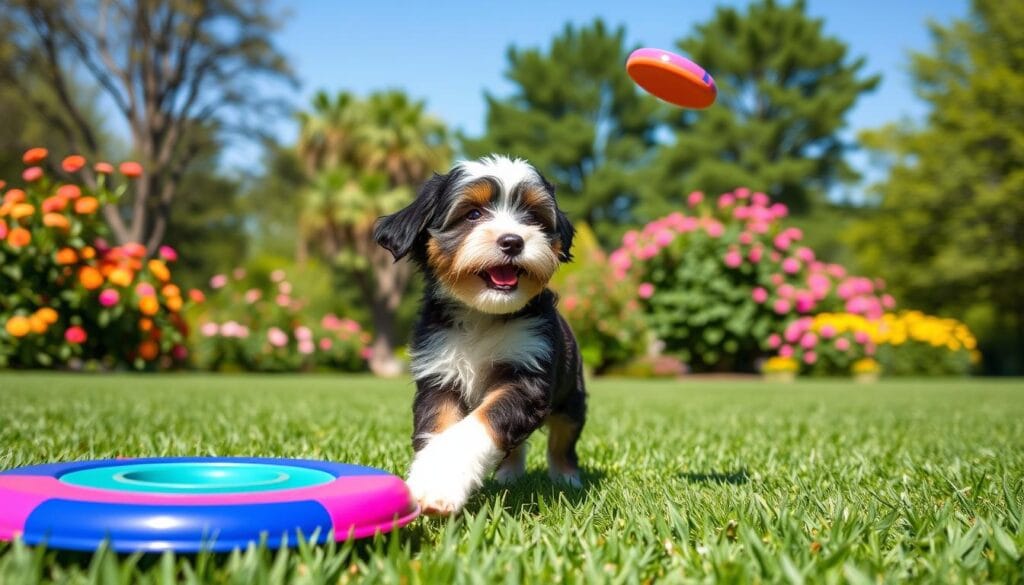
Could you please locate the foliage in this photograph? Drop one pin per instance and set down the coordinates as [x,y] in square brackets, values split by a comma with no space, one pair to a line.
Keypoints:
[947,231]
[785,88]
[695,482]
[914,344]
[603,313]
[363,158]
[66,297]
[722,281]
[576,115]
[177,74]
[257,322]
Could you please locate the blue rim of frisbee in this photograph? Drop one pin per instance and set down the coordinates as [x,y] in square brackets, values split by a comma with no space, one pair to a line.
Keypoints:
[189,504]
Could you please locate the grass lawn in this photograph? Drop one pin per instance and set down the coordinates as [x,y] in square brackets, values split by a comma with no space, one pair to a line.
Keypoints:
[684,482]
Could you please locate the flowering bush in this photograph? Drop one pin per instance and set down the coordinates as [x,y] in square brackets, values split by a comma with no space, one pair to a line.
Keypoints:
[255,322]
[722,281]
[602,311]
[914,344]
[67,296]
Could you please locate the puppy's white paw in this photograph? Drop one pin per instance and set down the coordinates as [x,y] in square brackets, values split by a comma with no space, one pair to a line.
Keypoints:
[513,467]
[451,466]
[571,478]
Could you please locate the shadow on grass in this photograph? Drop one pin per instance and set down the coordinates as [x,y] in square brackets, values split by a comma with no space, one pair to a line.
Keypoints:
[736,477]
[524,495]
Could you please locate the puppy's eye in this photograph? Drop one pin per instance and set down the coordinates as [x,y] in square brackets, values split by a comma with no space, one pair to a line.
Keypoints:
[474,214]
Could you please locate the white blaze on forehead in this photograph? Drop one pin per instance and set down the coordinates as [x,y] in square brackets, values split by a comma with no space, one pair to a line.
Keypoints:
[509,173]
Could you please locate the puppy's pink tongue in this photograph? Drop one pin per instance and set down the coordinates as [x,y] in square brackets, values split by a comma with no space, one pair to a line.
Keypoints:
[503,275]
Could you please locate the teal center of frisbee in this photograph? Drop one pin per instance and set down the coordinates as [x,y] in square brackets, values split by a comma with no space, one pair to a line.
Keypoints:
[197,478]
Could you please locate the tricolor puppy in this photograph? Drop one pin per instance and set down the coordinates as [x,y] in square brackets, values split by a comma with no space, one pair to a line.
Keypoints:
[492,358]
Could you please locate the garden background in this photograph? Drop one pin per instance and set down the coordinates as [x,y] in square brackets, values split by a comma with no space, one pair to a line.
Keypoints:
[193,185]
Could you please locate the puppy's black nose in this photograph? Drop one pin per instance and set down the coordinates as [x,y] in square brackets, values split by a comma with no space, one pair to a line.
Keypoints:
[511,244]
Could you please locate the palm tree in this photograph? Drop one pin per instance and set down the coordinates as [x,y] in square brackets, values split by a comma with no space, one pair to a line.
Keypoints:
[364,159]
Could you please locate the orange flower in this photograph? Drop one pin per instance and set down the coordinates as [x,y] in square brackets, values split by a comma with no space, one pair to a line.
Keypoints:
[149,305]
[104,168]
[55,203]
[131,169]
[148,350]
[48,315]
[18,326]
[170,290]
[34,156]
[159,270]
[73,163]
[196,295]
[56,220]
[86,205]
[173,303]
[88,252]
[66,256]
[121,277]
[69,191]
[90,278]
[19,237]
[22,210]
[145,324]
[14,196]
[37,324]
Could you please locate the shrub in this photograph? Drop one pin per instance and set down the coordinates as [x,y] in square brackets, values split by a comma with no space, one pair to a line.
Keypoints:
[914,344]
[603,312]
[255,322]
[720,282]
[66,296]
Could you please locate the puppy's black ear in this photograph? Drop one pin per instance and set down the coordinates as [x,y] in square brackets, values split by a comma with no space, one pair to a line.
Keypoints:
[398,232]
[565,231]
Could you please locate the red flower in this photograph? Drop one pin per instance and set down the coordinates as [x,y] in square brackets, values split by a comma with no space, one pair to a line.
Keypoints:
[32,174]
[69,191]
[73,163]
[75,334]
[104,168]
[131,169]
[34,156]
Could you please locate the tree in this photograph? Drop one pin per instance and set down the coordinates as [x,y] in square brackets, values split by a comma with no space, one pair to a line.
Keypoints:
[363,159]
[171,69]
[578,117]
[784,91]
[948,227]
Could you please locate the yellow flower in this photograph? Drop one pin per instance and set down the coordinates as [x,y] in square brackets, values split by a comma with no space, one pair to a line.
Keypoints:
[159,270]
[121,277]
[18,326]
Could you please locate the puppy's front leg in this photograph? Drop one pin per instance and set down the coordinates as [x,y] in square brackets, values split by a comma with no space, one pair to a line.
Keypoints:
[455,462]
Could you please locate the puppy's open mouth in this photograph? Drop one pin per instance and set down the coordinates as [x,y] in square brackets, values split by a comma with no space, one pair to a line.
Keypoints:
[503,278]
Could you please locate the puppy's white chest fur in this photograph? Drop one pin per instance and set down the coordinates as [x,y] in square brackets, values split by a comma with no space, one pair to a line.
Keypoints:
[464,354]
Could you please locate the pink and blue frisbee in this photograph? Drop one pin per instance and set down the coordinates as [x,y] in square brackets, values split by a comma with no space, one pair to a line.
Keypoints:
[671,77]
[191,504]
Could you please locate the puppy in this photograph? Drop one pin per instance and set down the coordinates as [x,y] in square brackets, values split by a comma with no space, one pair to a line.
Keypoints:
[492,358]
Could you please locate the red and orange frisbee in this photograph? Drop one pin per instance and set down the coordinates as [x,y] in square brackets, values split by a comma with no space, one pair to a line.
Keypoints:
[672,78]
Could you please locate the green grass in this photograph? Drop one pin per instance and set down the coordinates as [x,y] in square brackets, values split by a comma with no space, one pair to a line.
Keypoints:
[685,482]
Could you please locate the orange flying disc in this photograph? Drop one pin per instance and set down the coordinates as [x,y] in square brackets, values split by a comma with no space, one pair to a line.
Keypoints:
[672,78]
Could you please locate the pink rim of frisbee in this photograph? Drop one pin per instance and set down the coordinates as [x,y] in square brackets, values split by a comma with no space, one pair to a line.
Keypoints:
[672,78]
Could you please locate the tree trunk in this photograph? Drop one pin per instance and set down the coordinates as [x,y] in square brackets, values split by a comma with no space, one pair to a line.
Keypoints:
[391,279]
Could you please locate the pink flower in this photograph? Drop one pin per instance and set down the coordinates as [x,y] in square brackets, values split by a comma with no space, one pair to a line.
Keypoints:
[647,252]
[109,297]
[688,224]
[229,329]
[786,291]
[777,279]
[760,200]
[208,329]
[284,288]
[645,290]
[238,273]
[218,281]
[842,344]
[75,334]
[330,321]
[695,199]
[794,233]
[742,212]
[791,266]
[366,353]
[809,340]
[664,238]
[570,302]
[861,337]
[733,258]
[804,302]
[786,351]
[326,344]
[630,238]
[819,284]
[725,200]
[144,289]
[276,337]
[350,326]
[774,340]
[806,254]
[168,253]
[869,349]
[714,229]
[277,275]
[755,254]
[303,333]
[759,294]
[782,242]
[306,347]
[828,332]
[32,174]
[888,302]
[779,210]
[252,295]
[746,238]
[781,306]
[810,357]
[836,271]
[283,300]
[793,332]
[742,193]
[179,352]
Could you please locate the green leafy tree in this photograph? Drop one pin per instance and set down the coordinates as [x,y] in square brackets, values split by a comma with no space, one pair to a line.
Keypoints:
[785,88]
[364,158]
[578,117]
[948,232]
